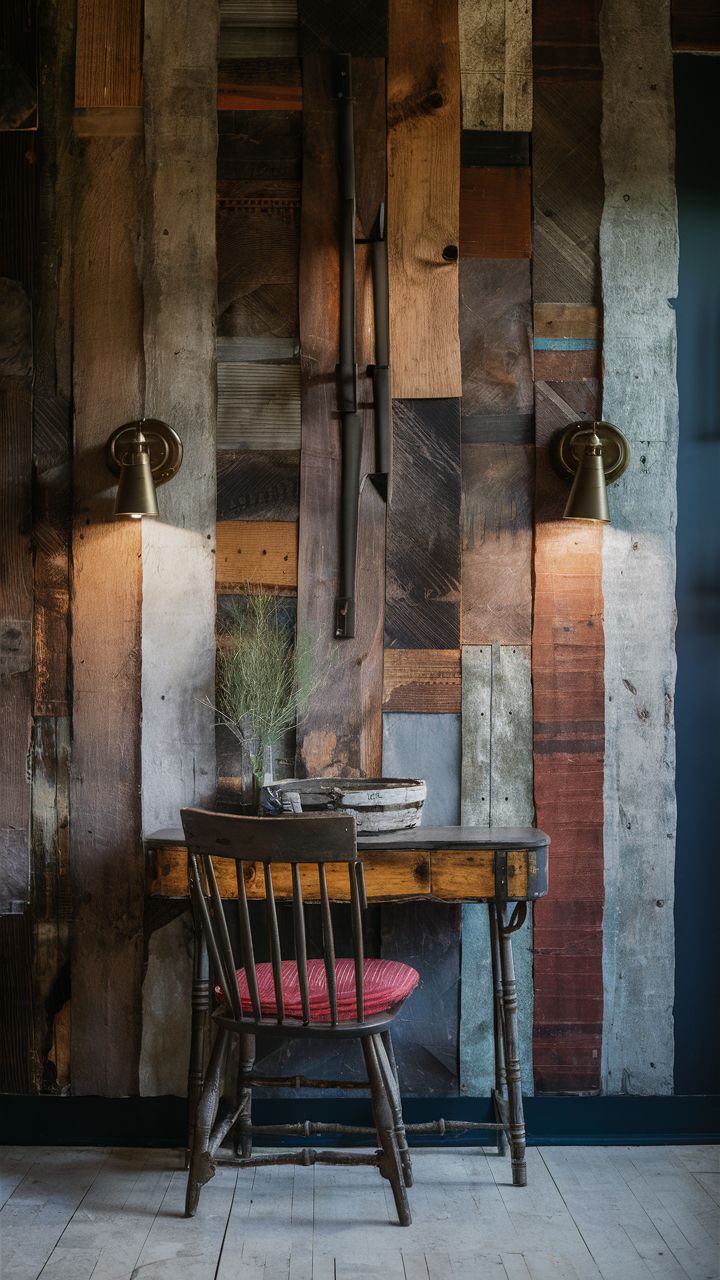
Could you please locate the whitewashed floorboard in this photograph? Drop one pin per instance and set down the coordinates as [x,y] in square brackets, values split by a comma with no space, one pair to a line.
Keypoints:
[587,1214]
[39,1209]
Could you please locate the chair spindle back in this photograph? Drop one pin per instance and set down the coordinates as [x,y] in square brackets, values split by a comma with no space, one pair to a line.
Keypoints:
[298,842]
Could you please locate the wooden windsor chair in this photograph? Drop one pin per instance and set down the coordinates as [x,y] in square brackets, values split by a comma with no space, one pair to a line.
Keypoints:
[324,998]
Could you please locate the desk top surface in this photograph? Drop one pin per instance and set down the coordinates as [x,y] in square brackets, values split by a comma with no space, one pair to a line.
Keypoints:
[415,838]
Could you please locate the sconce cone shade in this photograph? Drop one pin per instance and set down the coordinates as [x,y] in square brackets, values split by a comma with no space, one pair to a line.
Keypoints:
[588,497]
[136,494]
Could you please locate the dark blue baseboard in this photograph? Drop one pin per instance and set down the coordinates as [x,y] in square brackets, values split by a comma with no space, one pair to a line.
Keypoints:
[551,1120]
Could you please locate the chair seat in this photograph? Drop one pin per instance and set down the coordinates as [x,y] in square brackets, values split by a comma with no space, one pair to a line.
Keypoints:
[386,983]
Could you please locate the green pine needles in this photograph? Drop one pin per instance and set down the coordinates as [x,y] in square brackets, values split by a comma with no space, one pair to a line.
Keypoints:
[265,679]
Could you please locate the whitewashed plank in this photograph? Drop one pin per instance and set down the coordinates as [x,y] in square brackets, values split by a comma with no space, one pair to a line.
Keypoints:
[496,64]
[165,1046]
[497,789]
[639,260]
[188,1247]
[36,1214]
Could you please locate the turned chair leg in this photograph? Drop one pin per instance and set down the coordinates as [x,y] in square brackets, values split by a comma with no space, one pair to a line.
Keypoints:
[388,1067]
[512,1052]
[243,1130]
[390,1166]
[202,1164]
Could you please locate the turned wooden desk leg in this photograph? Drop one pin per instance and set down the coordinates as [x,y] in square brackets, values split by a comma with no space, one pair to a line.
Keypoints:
[243,1126]
[199,1027]
[511,1040]
[499,1092]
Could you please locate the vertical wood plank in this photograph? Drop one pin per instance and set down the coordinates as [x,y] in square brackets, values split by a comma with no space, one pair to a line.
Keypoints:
[497,541]
[639,255]
[107,870]
[476,719]
[342,730]
[423,211]
[422,609]
[17,218]
[567,196]
[496,64]
[108,69]
[16,1002]
[51,897]
[179,287]
[426,935]
[497,789]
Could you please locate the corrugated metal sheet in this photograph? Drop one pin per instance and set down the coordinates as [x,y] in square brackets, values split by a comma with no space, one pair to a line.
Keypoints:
[258,406]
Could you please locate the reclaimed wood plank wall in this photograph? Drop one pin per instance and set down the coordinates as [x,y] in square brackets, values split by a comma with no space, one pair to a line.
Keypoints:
[490,638]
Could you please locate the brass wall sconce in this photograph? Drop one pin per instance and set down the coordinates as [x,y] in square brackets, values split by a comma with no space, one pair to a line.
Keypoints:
[591,455]
[143,455]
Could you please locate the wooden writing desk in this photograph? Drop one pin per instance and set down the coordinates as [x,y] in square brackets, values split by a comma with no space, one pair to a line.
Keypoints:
[507,867]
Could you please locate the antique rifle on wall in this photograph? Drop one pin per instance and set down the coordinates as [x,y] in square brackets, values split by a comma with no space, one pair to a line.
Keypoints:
[347,366]
[380,371]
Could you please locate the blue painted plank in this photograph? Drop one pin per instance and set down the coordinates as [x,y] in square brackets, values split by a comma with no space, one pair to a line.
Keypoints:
[564,344]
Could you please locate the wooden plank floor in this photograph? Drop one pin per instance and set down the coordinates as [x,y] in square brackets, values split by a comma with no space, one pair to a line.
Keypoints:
[588,1213]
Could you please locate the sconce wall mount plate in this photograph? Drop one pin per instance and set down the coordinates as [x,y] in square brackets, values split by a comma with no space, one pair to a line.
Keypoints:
[164,446]
[566,449]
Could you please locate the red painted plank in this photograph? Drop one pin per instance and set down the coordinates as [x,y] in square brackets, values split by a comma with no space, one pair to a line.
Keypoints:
[495,213]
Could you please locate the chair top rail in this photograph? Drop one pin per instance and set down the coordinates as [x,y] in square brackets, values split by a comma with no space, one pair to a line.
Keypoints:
[301,838]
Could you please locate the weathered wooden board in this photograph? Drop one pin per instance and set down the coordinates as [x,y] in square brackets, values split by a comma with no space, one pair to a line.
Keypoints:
[51,898]
[568,709]
[566,40]
[427,936]
[258,486]
[695,25]
[16,1002]
[16,610]
[423,217]
[357,27]
[166,1026]
[495,347]
[255,553]
[421,680]
[108,65]
[259,145]
[422,608]
[18,40]
[497,786]
[18,157]
[106,868]
[390,874]
[492,147]
[258,42]
[52,455]
[497,539]
[567,365]
[108,122]
[567,192]
[179,290]
[496,64]
[557,403]
[257,248]
[260,84]
[495,215]
[639,254]
[258,405]
[342,732]
[566,320]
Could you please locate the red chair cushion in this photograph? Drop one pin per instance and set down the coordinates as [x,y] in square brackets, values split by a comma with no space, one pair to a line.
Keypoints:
[387,982]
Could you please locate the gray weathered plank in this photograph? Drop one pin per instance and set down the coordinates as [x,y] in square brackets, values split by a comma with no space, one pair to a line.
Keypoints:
[179,285]
[258,406]
[426,934]
[497,788]
[639,258]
